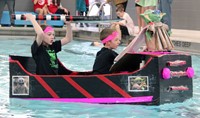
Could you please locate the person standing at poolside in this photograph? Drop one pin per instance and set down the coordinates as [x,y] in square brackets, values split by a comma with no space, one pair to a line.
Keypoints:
[141,6]
[81,8]
[139,10]
[11,8]
[105,57]
[147,4]
[44,49]
[151,4]
[165,7]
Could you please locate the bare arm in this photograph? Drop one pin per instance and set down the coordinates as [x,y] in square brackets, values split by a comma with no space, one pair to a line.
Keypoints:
[122,23]
[37,28]
[68,37]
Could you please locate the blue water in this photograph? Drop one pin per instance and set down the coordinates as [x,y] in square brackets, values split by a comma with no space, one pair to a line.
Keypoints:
[80,56]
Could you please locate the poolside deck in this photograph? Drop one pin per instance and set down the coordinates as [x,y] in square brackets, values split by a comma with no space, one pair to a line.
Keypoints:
[184,40]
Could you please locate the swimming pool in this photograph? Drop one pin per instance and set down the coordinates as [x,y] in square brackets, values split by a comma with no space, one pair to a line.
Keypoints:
[79,56]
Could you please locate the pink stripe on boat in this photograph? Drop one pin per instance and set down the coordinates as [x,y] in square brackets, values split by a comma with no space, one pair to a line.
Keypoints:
[99,100]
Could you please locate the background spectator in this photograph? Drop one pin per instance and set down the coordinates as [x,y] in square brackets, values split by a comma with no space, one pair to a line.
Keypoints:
[40,7]
[141,7]
[151,4]
[139,10]
[165,7]
[126,24]
[11,7]
[81,8]
[87,6]
[55,7]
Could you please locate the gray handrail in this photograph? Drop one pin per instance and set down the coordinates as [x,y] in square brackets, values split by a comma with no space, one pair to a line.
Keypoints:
[93,6]
[100,8]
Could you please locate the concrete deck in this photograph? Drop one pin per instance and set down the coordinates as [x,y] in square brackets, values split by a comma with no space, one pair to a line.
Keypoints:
[184,40]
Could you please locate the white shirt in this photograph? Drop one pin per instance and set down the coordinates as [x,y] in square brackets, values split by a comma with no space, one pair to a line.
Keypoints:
[128,22]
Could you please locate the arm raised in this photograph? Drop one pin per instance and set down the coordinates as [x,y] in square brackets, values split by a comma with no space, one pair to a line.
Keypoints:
[68,37]
[37,28]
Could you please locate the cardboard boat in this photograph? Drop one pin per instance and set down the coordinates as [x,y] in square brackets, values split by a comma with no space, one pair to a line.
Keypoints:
[151,78]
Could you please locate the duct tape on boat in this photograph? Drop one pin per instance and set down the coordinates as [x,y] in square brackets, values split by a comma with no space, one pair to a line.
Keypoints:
[178,88]
[167,74]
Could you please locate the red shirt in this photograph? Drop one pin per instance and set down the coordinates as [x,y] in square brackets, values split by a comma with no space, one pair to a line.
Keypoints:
[40,4]
[52,7]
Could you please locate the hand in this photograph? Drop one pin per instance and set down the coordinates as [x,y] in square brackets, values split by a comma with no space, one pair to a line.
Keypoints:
[29,16]
[68,23]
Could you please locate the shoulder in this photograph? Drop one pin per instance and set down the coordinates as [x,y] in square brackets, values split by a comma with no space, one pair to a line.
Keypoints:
[103,51]
[126,14]
[35,44]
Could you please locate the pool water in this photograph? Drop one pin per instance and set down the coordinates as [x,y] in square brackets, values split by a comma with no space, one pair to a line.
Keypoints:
[79,56]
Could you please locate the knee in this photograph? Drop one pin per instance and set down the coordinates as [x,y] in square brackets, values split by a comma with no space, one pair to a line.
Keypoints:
[41,11]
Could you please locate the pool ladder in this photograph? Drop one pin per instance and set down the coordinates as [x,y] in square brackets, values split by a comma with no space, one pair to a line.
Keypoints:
[100,13]
[101,7]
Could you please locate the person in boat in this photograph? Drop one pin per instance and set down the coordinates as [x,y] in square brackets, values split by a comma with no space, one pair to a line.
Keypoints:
[44,49]
[105,57]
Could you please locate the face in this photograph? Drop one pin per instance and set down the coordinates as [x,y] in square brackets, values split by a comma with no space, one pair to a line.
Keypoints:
[113,44]
[119,14]
[49,37]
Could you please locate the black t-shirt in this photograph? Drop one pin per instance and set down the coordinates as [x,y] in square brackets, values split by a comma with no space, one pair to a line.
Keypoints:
[104,60]
[46,58]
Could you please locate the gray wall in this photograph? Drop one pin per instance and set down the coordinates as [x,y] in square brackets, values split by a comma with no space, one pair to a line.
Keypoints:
[185,13]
